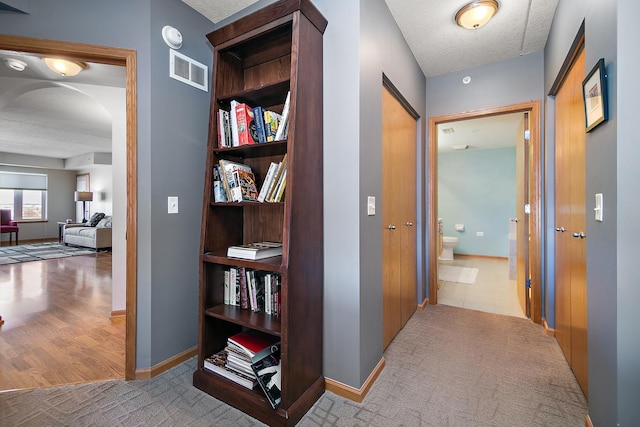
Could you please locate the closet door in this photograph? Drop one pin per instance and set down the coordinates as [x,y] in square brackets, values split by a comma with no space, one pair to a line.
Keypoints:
[398,216]
[570,222]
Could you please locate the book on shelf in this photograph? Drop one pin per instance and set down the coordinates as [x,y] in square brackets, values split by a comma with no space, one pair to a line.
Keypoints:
[224,129]
[268,375]
[258,117]
[276,180]
[238,181]
[218,363]
[244,291]
[255,251]
[219,193]
[254,344]
[233,123]
[246,189]
[268,179]
[246,124]
[284,123]
[271,121]
[227,287]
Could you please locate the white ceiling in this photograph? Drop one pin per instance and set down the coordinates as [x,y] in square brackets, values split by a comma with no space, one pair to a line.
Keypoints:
[47,115]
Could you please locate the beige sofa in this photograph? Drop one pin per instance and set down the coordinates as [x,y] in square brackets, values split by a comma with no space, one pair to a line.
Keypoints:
[98,237]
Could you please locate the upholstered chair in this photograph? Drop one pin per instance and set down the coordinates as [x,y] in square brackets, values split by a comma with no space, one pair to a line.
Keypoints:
[8,226]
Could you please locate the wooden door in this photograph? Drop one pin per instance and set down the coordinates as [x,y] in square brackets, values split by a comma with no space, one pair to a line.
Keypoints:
[398,216]
[522,226]
[570,222]
[577,244]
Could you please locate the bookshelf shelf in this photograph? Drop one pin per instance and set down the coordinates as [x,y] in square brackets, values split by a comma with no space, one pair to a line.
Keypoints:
[258,60]
[273,264]
[269,94]
[246,318]
[275,148]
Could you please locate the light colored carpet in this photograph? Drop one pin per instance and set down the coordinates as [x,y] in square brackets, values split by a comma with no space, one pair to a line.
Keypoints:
[453,273]
[447,367]
[39,251]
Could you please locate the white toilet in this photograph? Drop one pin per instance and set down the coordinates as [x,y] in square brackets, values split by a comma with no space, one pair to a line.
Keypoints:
[448,243]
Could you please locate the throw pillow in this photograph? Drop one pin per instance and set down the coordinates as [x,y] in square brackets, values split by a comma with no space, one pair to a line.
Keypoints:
[105,222]
[95,219]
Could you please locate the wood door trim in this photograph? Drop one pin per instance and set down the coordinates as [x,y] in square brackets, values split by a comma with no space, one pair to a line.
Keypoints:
[535,217]
[120,57]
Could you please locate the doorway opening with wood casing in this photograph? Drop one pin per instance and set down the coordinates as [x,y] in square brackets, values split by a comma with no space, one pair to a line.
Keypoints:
[529,231]
[124,58]
[399,263]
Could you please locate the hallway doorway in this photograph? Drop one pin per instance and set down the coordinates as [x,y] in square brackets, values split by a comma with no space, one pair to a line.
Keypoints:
[126,58]
[531,285]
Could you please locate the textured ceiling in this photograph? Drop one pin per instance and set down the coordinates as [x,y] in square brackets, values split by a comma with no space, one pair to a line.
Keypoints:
[439,45]
[48,115]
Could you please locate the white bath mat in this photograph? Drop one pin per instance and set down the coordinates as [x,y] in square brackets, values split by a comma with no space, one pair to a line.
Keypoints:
[452,273]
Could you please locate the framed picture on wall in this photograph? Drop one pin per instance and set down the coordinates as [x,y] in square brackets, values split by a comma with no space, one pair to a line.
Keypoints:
[594,94]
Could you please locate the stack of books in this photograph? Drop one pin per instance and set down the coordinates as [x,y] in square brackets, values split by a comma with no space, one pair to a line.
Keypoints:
[219,363]
[256,250]
[242,350]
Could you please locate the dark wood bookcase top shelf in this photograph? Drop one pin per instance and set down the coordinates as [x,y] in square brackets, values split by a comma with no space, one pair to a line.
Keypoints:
[246,318]
[266,96]
[257,60]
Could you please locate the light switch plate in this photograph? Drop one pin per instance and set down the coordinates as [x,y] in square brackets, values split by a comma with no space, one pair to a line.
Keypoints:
[173,204]
[371,205]
[599,209]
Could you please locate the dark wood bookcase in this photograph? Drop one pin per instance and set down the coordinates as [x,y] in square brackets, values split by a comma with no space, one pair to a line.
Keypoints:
[257,60]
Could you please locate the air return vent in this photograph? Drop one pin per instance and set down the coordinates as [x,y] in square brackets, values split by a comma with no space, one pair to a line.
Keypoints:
[187,70]
[448,130]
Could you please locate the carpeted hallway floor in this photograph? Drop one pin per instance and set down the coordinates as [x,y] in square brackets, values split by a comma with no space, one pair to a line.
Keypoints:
[447,367]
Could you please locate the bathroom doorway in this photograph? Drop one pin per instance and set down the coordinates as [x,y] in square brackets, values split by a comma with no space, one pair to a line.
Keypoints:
[528,284]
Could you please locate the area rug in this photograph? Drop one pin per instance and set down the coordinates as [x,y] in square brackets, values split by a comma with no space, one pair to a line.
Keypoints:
[452,273]
[39,251]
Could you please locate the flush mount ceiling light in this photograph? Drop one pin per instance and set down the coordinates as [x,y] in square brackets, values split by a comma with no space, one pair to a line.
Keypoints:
[64,67]
[475,14]
[15,64]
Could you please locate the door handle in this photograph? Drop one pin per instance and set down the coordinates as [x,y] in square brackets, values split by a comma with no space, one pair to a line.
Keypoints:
[409,224]
[391,227]
[580,235]
[560,229]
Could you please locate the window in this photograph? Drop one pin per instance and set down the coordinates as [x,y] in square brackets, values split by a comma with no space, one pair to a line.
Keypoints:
[25,195]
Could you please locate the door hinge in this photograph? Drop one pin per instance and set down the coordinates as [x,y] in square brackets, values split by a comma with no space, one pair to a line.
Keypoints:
[527,135]
[528,283]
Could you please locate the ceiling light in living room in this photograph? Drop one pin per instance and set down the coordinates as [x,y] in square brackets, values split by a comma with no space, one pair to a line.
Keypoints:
[15,64]
[64,67]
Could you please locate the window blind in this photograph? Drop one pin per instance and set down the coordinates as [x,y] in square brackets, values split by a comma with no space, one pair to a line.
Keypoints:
[23,181]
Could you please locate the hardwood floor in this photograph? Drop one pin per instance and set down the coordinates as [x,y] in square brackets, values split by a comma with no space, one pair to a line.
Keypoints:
[57,329]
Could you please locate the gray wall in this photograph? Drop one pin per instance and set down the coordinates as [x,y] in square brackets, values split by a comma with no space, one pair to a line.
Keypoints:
[628,227]
[612,291]
[383,50]
[171,151]
[361,43]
